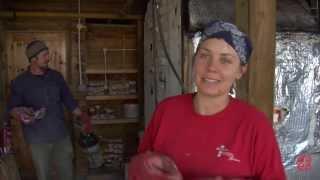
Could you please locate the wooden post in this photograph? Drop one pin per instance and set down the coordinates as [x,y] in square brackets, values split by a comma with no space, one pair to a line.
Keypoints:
[258,19]
[2,75]
[242,21]
[262,28]
[140,66]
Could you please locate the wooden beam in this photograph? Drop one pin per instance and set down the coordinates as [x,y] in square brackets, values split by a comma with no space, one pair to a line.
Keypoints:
[262,28]
[140,65]
[70,15]
[242,21]
[2,75]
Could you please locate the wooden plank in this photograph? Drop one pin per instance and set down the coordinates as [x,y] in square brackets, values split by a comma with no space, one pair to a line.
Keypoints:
[114,6]
[170,25]
[131,27]
[242,21]
[98,44]
[113,62]
[114,121]
[188,63]
[139,63]
[36,24]
[150,94]
[68,15]
[120,46]
[110,97]
[110,71]
[262,29]
[74,67]
[3,75]
[103,6]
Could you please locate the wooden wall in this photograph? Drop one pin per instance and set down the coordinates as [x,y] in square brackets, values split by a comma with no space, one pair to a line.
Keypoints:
[60,16]
[112,37]
[242,21]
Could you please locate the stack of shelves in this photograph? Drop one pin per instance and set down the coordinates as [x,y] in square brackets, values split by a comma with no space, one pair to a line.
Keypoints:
[114,86]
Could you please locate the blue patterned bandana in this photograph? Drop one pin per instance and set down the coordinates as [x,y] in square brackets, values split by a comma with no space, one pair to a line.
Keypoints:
[231,35]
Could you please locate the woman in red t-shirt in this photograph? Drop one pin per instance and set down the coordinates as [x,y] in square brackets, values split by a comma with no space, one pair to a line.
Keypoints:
[208,134]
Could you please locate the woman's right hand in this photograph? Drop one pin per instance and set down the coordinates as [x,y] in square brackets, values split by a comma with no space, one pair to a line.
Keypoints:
[155,166]
[219,178]
[162,165]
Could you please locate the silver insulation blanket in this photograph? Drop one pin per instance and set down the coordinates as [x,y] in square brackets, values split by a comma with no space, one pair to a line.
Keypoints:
[297,94]
[201,12]
[293,15]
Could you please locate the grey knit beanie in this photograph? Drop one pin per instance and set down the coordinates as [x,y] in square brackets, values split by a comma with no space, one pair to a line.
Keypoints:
[34,48]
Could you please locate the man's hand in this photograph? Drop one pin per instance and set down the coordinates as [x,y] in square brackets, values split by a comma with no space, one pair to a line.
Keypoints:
[77,112]
[23,114]
[85,119]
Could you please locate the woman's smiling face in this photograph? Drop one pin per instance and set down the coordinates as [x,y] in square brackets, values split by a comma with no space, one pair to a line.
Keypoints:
[216,67]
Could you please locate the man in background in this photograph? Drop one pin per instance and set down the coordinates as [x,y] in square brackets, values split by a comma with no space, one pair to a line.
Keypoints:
[37,99]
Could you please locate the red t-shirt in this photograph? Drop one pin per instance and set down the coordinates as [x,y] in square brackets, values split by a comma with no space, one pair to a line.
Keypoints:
[236,142]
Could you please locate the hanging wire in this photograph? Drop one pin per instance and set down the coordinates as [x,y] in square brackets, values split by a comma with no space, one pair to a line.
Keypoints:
[105,50]
[162,40]
[123,52]
[79,43]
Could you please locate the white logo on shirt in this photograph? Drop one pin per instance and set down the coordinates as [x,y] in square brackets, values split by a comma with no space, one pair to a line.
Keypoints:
[223,151]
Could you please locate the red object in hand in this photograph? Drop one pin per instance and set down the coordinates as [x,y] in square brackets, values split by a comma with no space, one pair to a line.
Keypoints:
[155,166]
[86,120]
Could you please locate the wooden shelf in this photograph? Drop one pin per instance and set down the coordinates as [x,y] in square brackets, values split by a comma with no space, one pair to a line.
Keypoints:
[105,173]
[111,71]
[115,121]
[93,25]
[111,97]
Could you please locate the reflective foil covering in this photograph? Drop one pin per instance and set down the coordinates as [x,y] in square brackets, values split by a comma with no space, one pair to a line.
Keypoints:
[201,12]
[297,99]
